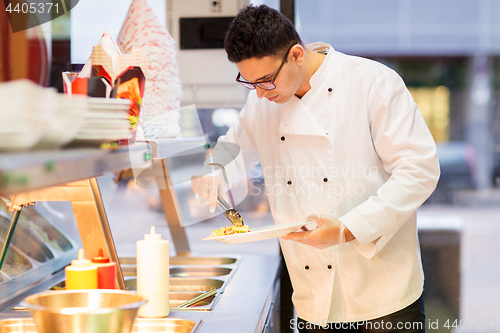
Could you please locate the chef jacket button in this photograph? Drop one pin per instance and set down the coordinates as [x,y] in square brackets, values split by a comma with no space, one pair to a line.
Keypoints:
[282,138]
[306,267]
[329,266]
[325,179]
[330,89]
[289,182]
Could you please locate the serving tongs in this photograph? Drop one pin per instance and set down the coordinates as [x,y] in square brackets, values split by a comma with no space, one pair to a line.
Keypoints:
[198,298]
[231,213]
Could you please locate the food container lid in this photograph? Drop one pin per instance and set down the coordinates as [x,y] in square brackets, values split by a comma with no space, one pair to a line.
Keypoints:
[152,236]
[81,261]
[100,259]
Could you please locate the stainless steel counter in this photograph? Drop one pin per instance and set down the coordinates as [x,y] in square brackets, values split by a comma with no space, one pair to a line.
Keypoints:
[25,171]
[247,300]
[243,307]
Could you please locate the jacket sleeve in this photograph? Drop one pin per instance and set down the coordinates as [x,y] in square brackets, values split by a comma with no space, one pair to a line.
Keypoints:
[408,153]
[236,150]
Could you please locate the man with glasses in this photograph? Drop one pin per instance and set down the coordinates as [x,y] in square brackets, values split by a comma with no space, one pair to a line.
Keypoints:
[262,82]
[343,144]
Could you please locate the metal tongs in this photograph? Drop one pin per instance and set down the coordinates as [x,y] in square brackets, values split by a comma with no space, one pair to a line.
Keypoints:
[231,213]
[198,298]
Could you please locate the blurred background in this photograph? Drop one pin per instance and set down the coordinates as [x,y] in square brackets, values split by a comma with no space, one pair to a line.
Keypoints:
[447,52]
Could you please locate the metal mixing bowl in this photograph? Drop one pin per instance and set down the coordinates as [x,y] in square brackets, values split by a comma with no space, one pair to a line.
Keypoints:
[84,311]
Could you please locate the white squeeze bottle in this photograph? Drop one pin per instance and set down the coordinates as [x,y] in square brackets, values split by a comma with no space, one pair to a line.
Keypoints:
[152,275]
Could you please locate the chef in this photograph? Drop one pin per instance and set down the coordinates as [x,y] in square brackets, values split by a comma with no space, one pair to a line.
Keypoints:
[342,143]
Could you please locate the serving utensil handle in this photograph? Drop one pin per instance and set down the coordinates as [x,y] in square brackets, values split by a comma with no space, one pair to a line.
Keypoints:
[198,298]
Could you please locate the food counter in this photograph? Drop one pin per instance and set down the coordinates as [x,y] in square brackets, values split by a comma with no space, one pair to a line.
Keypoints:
[247,280]
[249,302]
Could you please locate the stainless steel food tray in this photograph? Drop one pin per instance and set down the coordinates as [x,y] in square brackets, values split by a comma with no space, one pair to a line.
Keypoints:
[189,277]
[185,260]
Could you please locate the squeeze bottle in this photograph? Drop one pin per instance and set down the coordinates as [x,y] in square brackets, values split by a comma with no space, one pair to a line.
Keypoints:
[106,271]
[81,274]
[152,275]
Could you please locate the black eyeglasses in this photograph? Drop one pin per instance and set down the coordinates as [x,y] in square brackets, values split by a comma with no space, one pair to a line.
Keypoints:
[267,85]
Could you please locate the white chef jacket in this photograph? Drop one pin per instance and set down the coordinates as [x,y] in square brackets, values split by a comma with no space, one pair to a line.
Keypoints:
[355,146]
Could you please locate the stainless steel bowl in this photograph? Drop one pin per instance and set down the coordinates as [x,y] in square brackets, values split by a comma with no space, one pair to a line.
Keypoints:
[18,325]
[141,325]
[83,311]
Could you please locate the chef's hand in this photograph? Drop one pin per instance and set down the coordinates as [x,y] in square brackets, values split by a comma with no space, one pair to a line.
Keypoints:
[207,183]
[326,234]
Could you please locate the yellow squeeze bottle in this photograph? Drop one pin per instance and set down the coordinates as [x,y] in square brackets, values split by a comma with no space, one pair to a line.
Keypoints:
[81,274]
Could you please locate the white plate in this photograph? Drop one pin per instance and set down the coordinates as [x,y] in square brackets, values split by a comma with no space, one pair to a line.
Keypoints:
[109,107]
[109,101]
[105,127]
[92,120]
[106,115]
[19,141]
[109,124]
[260,233]
[88,142]
[109,110]
[102,136]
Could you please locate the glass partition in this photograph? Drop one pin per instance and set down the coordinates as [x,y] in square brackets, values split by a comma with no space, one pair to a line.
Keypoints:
[35,241]
[26,241]
[15,262]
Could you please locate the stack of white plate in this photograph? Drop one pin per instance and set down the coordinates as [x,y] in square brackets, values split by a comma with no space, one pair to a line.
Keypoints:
[34,116]
[26,109]
[106,120]
[68,119]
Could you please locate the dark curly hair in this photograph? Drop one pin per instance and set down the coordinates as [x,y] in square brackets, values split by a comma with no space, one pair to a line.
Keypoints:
[257,32]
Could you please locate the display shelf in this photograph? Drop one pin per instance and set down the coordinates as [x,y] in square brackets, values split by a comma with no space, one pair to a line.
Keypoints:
[164,148]
[26,171]
[70,175]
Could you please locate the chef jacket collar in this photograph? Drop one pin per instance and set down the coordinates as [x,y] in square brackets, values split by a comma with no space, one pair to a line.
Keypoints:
[330,65]
[297,119]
